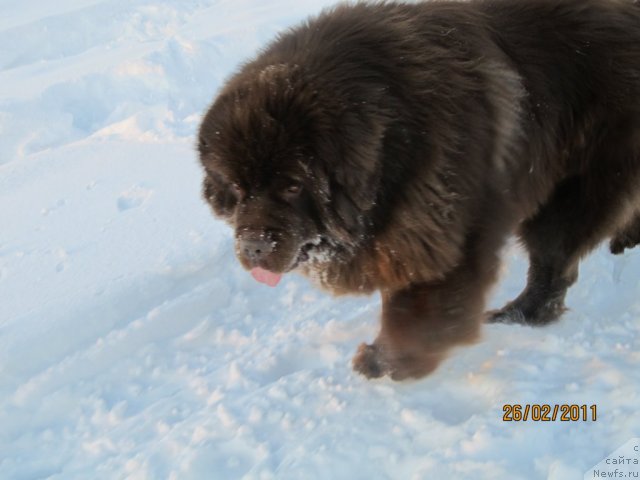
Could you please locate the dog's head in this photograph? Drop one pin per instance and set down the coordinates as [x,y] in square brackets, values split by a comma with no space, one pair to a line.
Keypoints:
[290,168]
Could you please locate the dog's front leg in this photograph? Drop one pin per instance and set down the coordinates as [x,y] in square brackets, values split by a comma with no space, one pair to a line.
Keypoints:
[421,323]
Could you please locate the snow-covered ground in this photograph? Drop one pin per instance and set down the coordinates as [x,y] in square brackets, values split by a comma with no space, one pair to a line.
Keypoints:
[132,345]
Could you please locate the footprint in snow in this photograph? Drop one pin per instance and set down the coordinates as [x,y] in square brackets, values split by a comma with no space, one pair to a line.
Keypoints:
[133,198]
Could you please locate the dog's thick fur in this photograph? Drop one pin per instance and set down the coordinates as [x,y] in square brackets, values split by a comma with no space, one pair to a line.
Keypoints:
[395,147]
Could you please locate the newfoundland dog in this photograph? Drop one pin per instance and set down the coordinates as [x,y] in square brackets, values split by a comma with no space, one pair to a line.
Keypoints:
[394,147]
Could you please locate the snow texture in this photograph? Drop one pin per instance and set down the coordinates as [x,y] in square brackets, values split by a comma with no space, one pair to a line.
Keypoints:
[132,344]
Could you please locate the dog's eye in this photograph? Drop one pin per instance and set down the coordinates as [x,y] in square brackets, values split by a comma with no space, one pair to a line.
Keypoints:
[292,191]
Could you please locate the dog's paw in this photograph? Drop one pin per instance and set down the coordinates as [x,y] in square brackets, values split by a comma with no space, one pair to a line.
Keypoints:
[506,315]
[370,362]
[374,361]
[540,315]
[620,243]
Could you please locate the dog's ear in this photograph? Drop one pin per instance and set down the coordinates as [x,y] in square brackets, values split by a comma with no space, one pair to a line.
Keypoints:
[356,168]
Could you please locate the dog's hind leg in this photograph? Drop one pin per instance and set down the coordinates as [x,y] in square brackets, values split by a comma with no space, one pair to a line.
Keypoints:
[582,212]
[628,237]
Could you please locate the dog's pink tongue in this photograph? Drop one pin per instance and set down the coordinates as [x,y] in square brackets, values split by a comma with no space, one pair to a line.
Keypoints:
[265,276]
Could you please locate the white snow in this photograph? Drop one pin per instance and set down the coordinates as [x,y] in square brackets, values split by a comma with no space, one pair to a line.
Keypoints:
[132,344]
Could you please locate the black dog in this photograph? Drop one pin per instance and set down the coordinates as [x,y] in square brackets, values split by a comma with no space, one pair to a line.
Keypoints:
[395,147]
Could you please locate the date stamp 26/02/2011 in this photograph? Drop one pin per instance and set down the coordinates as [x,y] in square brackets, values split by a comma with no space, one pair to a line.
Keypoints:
[549,413]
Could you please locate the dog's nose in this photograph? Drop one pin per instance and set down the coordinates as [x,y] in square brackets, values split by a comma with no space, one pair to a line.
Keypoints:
[255,247]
